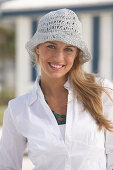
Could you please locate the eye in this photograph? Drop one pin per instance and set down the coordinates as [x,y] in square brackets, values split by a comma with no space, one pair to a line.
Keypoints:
[68,49]
[51,46]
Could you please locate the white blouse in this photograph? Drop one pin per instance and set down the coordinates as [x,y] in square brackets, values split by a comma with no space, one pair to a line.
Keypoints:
[62,130]
[77,145]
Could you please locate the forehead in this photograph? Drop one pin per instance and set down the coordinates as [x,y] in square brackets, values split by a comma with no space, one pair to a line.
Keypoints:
[59,43]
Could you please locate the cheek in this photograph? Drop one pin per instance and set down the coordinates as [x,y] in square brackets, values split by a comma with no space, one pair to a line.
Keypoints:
[70,60]
[44,55]
[43,59]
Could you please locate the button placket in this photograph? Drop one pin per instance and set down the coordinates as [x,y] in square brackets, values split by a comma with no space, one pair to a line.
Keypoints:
[68,162]
[68,132]
[69,117]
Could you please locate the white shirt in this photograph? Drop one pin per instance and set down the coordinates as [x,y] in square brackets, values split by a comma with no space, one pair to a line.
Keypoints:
[28,121]
[62,130]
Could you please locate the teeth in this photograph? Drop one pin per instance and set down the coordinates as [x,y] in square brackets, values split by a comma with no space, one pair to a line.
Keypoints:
[55,66]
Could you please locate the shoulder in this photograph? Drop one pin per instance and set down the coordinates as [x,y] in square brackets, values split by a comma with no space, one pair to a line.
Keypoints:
[107,95]
[107,86]
[104,82]
[108,83]
[19,102]
[16,110]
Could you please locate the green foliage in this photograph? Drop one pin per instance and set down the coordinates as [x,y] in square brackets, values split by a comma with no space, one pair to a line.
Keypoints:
[7,42]
[5,96]
[2,109]
[7,50]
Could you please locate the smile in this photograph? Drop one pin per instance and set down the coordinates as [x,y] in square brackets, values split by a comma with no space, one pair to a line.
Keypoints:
[54,66]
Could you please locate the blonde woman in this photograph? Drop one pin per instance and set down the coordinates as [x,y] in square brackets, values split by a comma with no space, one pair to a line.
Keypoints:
[66,120]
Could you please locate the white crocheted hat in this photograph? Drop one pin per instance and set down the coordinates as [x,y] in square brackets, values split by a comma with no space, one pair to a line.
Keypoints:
[60,25]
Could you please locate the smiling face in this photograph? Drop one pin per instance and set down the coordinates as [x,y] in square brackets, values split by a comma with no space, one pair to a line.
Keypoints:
[56,58]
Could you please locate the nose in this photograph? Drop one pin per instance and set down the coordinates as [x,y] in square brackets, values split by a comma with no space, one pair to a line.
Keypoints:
[59,55]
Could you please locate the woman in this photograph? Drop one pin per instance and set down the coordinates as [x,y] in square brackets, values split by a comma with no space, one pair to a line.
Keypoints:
[66,120]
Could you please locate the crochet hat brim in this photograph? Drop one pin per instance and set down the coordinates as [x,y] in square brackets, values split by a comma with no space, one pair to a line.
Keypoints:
[60,25]
[79,43]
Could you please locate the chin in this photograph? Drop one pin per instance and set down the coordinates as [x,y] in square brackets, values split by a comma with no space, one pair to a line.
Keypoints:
[57,76]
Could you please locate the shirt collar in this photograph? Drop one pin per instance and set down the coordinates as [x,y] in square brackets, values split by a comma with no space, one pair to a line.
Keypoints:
[33,94]
[37,92]
[68,85]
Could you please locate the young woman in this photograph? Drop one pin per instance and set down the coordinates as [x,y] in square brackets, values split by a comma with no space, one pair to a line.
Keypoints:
[66,120]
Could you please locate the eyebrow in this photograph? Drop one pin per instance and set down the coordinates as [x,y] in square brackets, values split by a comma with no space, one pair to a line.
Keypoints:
[51,42]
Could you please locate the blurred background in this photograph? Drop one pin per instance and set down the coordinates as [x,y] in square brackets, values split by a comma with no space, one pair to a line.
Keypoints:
[18,22]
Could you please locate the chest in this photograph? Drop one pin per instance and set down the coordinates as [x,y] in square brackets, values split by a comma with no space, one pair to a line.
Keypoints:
[40,127]
[44,138]
[58,104]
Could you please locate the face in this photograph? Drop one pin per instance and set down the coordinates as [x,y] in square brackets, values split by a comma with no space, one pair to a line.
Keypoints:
[56,58]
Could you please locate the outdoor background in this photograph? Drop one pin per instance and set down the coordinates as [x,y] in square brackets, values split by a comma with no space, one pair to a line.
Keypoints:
[18,22]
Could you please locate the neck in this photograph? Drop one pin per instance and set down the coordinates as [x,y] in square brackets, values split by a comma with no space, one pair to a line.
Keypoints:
[53,87]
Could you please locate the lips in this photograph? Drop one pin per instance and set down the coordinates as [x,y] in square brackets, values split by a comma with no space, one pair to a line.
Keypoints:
[56,66]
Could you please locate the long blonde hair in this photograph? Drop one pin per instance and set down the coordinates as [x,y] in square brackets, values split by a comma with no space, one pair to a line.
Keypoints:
[89,92]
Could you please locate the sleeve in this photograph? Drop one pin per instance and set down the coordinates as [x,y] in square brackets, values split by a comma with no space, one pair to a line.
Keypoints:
[108,112]
[12,144]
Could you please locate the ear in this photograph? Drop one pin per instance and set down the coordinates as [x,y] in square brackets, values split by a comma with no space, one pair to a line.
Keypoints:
[78,51]
[37,50]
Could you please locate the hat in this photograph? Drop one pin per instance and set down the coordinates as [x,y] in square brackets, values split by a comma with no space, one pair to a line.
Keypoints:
[60,25]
